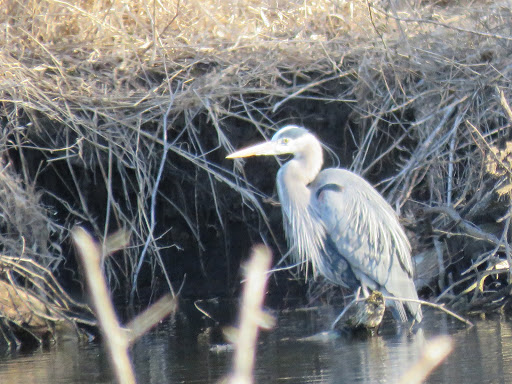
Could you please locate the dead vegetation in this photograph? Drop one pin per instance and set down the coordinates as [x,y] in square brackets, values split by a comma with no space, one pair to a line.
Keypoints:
[118,115]
[117,338]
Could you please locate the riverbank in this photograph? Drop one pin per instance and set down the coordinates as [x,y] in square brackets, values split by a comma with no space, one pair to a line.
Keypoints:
[416,99]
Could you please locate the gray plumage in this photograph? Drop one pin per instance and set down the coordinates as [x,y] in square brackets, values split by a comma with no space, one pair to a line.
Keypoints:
[338,221]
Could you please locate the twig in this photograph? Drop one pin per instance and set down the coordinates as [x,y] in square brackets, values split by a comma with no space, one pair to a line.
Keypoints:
[154,193]
[115,338]
[489,149]
[504,103]
[500,294]
[306,87]
[448,26]
[349,305]
[507,245]
[423,302]
[343,313]
[470,229]
[433,305]
[451,156]
[151,317]
[251,316]
[440,262]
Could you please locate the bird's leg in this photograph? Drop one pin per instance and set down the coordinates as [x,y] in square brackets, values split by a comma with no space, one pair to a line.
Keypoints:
[364,288]
[357,294]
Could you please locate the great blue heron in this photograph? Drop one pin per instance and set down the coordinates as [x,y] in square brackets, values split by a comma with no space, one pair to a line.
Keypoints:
[339,222]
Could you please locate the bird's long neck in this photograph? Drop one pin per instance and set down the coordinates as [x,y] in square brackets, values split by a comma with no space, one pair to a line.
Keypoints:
[305,165]
[295,196]
[294,176]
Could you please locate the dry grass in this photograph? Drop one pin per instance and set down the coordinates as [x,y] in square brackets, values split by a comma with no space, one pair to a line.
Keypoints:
[120,88]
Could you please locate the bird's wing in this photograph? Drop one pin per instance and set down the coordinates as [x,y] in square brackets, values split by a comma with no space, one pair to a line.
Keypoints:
[363,226]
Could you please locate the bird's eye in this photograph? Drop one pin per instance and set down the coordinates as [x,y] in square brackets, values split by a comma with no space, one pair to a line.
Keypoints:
[285,140]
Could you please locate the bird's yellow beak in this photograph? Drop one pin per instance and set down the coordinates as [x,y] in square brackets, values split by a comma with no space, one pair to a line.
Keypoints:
[262,149]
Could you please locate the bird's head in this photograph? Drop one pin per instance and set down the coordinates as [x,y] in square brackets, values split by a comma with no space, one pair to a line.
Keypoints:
[289,139]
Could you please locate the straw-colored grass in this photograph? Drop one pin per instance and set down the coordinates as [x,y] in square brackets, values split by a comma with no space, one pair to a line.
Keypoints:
[87,87]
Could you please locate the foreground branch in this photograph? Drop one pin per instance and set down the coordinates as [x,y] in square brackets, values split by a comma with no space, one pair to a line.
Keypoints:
[434,353]
[117,338]
[114,336]
[251,316]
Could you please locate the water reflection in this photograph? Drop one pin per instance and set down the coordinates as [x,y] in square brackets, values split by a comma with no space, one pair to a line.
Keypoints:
[383,358]
[481,355]
[173,354]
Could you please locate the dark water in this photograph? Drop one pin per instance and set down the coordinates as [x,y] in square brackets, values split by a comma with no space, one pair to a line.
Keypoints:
[173,353]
